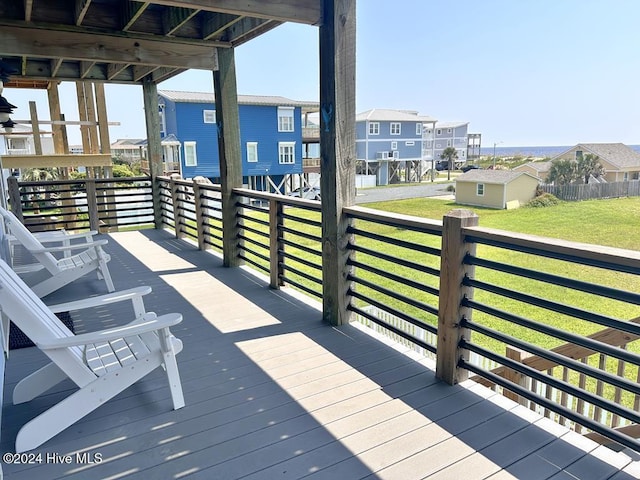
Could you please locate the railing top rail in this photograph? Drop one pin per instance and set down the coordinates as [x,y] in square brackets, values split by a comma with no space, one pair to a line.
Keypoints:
[81,181]
[589,253]
[397,219]
[287,200]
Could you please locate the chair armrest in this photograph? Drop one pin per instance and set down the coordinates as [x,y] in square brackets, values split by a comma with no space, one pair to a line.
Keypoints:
[63,236]
[133,294]
[75,246]
[151,324]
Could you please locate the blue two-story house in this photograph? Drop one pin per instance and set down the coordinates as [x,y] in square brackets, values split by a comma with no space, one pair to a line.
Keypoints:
[450,134]
[270,136]
[391,141]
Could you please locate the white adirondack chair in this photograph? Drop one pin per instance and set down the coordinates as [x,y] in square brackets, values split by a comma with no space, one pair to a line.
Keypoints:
[62,270]
[102,364]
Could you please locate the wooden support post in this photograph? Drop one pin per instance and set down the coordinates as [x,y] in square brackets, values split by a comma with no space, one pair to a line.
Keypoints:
[35,128]
[14,197]
[177,197]
[275,245]
[154,145]
[92,204]
[337,149]
[228,122]
[518,378]
[105,148]
[450,311]
[56,115]
[84,129]
[202,222]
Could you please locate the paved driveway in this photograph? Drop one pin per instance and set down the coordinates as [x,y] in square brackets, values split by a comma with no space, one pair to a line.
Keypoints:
[382,194]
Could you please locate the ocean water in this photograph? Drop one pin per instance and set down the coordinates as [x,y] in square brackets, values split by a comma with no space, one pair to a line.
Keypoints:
[532,151]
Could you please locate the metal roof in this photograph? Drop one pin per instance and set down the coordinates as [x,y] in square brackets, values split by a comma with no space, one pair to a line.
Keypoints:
[384,115]
[208,97]
[126,41]
[537,166]
[501,177]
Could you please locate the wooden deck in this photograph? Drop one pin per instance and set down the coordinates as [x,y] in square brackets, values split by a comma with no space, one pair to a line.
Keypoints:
[272,392]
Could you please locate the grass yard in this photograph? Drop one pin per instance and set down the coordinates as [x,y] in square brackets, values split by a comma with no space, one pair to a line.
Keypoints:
[613,222]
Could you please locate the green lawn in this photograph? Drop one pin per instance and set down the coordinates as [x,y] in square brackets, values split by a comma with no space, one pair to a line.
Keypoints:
[613,222]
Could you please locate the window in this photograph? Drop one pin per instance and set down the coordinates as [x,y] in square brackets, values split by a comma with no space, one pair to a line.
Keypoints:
[374,128]
[439,131]
[410,143]
[418,129]
[286,152]
[448,143]
[396,154]
[209,116]
[625,177]
[480,189]
[190,158]
[394,145]
[285,119]
[252,152]
[578,154]
[448,130]
[394,128]
[163,122]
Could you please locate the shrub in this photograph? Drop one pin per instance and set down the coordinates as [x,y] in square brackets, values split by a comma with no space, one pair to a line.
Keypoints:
[544,200]
[120,171]
[451,188]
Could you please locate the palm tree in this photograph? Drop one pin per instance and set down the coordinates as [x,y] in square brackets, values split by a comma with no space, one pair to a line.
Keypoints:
[563,172]
[449,154]
[40,175]
[589,165]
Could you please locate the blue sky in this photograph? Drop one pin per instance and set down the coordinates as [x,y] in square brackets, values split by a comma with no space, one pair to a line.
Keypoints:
[521,72]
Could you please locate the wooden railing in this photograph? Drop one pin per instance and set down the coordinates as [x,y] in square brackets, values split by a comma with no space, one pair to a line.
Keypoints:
[90,204]
[550,323]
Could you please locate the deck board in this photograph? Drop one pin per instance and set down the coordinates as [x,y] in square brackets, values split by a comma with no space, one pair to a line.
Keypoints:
[272,392]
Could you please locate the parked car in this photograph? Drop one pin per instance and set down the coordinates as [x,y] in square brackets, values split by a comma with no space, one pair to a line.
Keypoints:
[310,193]
[470,166]
[442,165]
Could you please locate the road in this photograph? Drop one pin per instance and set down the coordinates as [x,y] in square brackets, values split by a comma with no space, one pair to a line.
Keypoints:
[382,194]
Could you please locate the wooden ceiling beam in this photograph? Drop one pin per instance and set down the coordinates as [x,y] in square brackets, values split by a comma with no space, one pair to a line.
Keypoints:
[81,10]
[214,25]
[131,11]
[132,49]
[115,69]
[28,10]
[174,18]
[298,11]
[55,66]
[163,73]
[85,68]
[139,72]
[249,28]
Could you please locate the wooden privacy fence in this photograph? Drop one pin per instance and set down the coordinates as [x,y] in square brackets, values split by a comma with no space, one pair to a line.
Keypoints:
[591,191]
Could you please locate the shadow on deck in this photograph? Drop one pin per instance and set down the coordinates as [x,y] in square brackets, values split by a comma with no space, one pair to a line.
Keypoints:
[272,392]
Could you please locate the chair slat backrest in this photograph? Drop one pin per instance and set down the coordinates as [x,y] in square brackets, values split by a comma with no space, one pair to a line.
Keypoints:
[37,322]
[28,240]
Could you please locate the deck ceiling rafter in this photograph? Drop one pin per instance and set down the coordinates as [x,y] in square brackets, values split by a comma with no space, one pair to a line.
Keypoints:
[116,40]
[298,11]
[129,48]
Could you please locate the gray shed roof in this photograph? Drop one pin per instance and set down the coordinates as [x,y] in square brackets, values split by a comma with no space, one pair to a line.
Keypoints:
[208,97]
[501,177]
[537,166]
[617,154]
